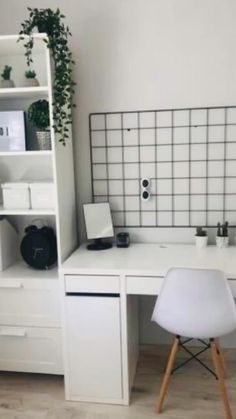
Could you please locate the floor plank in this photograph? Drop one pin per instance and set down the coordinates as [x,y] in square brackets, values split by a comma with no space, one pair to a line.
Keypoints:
[193,393]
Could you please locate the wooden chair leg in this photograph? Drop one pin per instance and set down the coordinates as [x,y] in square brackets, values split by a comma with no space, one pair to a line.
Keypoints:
[221,358]
[219,373]
[167,375]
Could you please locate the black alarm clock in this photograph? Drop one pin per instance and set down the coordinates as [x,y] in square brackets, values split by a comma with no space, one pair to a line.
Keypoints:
[39,247]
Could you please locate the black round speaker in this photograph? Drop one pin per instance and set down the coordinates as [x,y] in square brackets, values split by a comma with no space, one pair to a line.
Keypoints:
[39,247]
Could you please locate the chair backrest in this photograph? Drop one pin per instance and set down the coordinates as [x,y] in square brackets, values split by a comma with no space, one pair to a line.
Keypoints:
[195,303]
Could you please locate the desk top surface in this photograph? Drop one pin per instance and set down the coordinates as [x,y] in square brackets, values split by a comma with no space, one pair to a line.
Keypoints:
[150,260]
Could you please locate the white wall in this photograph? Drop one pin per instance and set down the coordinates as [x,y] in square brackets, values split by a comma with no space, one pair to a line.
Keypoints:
[142,54]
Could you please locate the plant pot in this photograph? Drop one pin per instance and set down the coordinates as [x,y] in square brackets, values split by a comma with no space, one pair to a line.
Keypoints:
[222,242]
[31,82]
[7,83]
[201,241]
[43,140]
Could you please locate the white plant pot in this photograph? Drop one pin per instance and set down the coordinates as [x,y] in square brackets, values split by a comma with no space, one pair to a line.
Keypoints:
[7,83]
[201,241]
[31,82]
[222,242]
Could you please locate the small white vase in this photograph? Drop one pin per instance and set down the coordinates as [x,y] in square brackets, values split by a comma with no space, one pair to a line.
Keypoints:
[7,83]
[222,242]
[201,241]
[31,82]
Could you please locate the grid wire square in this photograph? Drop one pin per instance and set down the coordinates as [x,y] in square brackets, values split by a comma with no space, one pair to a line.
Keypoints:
[132,203]
[100,187]
[164,136]
[98,139]
[181,186]
[198,152]
[216,134]
[113,121]
[114,138]
[216,151]
[181,135]
[230,185]
[181,117]
[100,198]
[216,116]
[164,187]
[215,186]
[231,133]
[147,154]
[115,171]
[130,120]
[114,154]
[116,203]
[231,115]
[231,218]
[99,171]
[132,187]
[99,155]
[164,118]
[147,136]
[98,122]
[164,203]
[147,170]
[164,153]
[198,117]
[198,203]
[118,219]
[198,169]
[132,218]
[131,170]
[115,187]
[181,218]
[164,170]
[215,168]
[147,119]
[181,169]
[198,134]
[230,168]
[215,202]
[131,154]
[181,202]
[165,218]
[149,205]
[231,151]
[148,219]
[181,152]
[130,137]
[230,202]
[198,218]
[198,186]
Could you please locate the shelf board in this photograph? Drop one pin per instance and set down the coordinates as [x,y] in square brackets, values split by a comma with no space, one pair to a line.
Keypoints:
[21,271]
[26,153]
[7,211]
[23,92]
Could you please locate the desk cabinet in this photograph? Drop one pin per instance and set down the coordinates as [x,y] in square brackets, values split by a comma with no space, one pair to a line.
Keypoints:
[93,347]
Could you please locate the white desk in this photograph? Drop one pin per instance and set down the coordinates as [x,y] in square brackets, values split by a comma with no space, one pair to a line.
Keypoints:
[100,292]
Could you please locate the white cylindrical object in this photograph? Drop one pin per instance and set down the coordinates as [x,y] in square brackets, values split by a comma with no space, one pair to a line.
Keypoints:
[42,195]
[201,241]
[16,195]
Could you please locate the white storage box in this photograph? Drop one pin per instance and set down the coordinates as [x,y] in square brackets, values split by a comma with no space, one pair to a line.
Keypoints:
[42,195]
[8,244]
[12,131]
[16,195]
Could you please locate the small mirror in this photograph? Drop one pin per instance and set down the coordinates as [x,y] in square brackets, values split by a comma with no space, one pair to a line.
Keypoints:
[98,224]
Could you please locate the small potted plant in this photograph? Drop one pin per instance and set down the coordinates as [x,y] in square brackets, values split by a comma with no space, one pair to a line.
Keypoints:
[6,77]
[38,115]
[30,78]
[201,237]
[222,237]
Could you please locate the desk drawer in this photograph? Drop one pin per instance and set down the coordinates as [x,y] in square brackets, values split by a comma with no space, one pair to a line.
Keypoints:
[143,285]
[92,284]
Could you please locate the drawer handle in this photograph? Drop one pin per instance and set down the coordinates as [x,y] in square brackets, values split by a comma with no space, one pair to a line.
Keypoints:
[13,333]
[11,285]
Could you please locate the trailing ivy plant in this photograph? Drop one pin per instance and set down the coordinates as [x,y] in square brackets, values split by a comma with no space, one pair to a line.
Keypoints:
[51,22]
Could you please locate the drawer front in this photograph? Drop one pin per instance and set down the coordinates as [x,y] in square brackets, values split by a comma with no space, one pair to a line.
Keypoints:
[143,285]
[30,303]
[92,284]
[26,349]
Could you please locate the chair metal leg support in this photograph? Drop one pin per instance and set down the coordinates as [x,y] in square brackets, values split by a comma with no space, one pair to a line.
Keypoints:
[167,375]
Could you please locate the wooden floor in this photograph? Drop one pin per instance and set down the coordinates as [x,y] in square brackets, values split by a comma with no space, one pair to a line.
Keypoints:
[193,394]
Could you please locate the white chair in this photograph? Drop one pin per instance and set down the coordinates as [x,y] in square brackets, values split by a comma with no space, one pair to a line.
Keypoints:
[196,303]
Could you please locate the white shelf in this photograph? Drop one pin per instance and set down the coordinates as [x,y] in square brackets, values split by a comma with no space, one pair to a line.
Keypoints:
[26,153]
[23,92]
[7,211]
[21,271]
